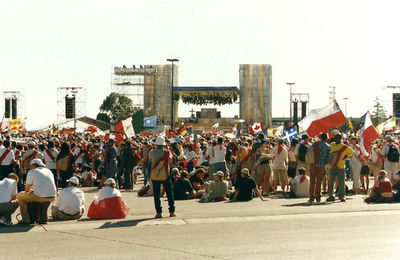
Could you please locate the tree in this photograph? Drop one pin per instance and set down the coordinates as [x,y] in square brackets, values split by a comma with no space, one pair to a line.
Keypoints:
[115,107]
[379,113]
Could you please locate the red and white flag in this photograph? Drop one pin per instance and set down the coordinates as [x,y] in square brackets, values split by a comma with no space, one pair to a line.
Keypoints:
[256,127]
[368,134]
[322,119]
[124,127]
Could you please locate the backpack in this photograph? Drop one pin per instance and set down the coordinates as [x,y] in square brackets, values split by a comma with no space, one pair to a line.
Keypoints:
[302,152]
[393,154]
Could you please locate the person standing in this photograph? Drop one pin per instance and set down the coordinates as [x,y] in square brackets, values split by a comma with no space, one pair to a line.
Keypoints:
[337,167]
[50,159]
[160,159]
[300,153]
[128,162]
[65,165]
[218,156]
[110,160]
[391,152]
[280,163]
[7,159]
[317,169]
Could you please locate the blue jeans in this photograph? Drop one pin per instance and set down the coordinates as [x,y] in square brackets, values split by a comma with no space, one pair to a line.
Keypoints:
[146,172]
[111,173]
[168,189]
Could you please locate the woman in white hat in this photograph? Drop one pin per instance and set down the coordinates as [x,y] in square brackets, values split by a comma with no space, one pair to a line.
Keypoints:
[108,203]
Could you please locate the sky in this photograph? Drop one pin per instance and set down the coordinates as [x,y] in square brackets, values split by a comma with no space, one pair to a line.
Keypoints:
[353,45]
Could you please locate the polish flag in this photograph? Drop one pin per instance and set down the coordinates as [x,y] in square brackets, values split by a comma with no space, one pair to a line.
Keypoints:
[368,134]
[256,127]
[124,127]
[322,119]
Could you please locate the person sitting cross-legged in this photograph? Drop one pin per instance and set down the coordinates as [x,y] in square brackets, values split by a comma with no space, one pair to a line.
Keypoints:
[245,187]
[216,190]
[70,203]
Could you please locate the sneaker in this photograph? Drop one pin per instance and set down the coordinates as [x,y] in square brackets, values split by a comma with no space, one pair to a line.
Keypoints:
[330,199]
[158,215]
[342,200]
[3,221]
[172,214]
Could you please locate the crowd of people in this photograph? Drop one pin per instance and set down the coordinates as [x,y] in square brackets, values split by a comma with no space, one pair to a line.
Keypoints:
[49,168]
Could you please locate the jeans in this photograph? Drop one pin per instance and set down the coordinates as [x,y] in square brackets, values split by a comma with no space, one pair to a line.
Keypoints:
[111,173]
[146,172]
[339,173]
[168,189]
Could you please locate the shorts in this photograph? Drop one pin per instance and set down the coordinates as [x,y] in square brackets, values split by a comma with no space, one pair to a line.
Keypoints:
[280,175]
[261,170]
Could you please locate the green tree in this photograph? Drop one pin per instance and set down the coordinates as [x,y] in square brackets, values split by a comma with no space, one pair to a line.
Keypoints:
[115,107]
[379,113]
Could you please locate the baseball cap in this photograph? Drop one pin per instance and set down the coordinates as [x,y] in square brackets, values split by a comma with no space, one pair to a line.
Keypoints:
[74,180]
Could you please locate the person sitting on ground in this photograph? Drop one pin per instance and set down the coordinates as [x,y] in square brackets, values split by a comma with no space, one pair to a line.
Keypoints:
[8,194]
[300,185]
[245,187]
[197,181]
[88,175]
[396,189]
[108,203]
[382,189]
[39,187]
[183,189]
[70,203]
[216,190]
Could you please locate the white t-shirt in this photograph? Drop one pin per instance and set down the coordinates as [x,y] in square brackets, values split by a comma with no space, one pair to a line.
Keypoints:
[42,181]
[8,188]
[9,157]
[105,193]
[71,201]
[50,163]
[280,159]
[190,156]
[302,190]
[219,154]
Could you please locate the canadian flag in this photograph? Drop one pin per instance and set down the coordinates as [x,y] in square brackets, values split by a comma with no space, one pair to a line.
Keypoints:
[256,127]
[368,134]
[124,127]
[322,119]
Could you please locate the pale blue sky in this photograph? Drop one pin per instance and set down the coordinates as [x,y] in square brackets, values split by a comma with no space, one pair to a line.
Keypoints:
[353,45]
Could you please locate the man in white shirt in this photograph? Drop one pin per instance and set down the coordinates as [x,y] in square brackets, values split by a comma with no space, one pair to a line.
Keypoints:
[6,160]
[8,194]
[39,187]
[300,185]
[70,202]
[280,165]
[50,159]
[218,155]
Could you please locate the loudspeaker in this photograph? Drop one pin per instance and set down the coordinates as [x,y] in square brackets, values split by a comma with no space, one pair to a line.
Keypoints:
[69,107]
[396,104]
[303,109]
[14,113]
[7,108]
[295,111]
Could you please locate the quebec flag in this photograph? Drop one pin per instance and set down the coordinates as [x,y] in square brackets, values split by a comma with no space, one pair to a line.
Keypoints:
[150,122]
[290,134]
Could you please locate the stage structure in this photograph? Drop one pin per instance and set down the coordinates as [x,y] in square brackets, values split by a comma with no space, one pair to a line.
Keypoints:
[300,105]
[256,93]
[149,87]
[71,105]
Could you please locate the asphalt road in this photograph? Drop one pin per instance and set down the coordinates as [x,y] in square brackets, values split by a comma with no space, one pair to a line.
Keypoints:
[276,229]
